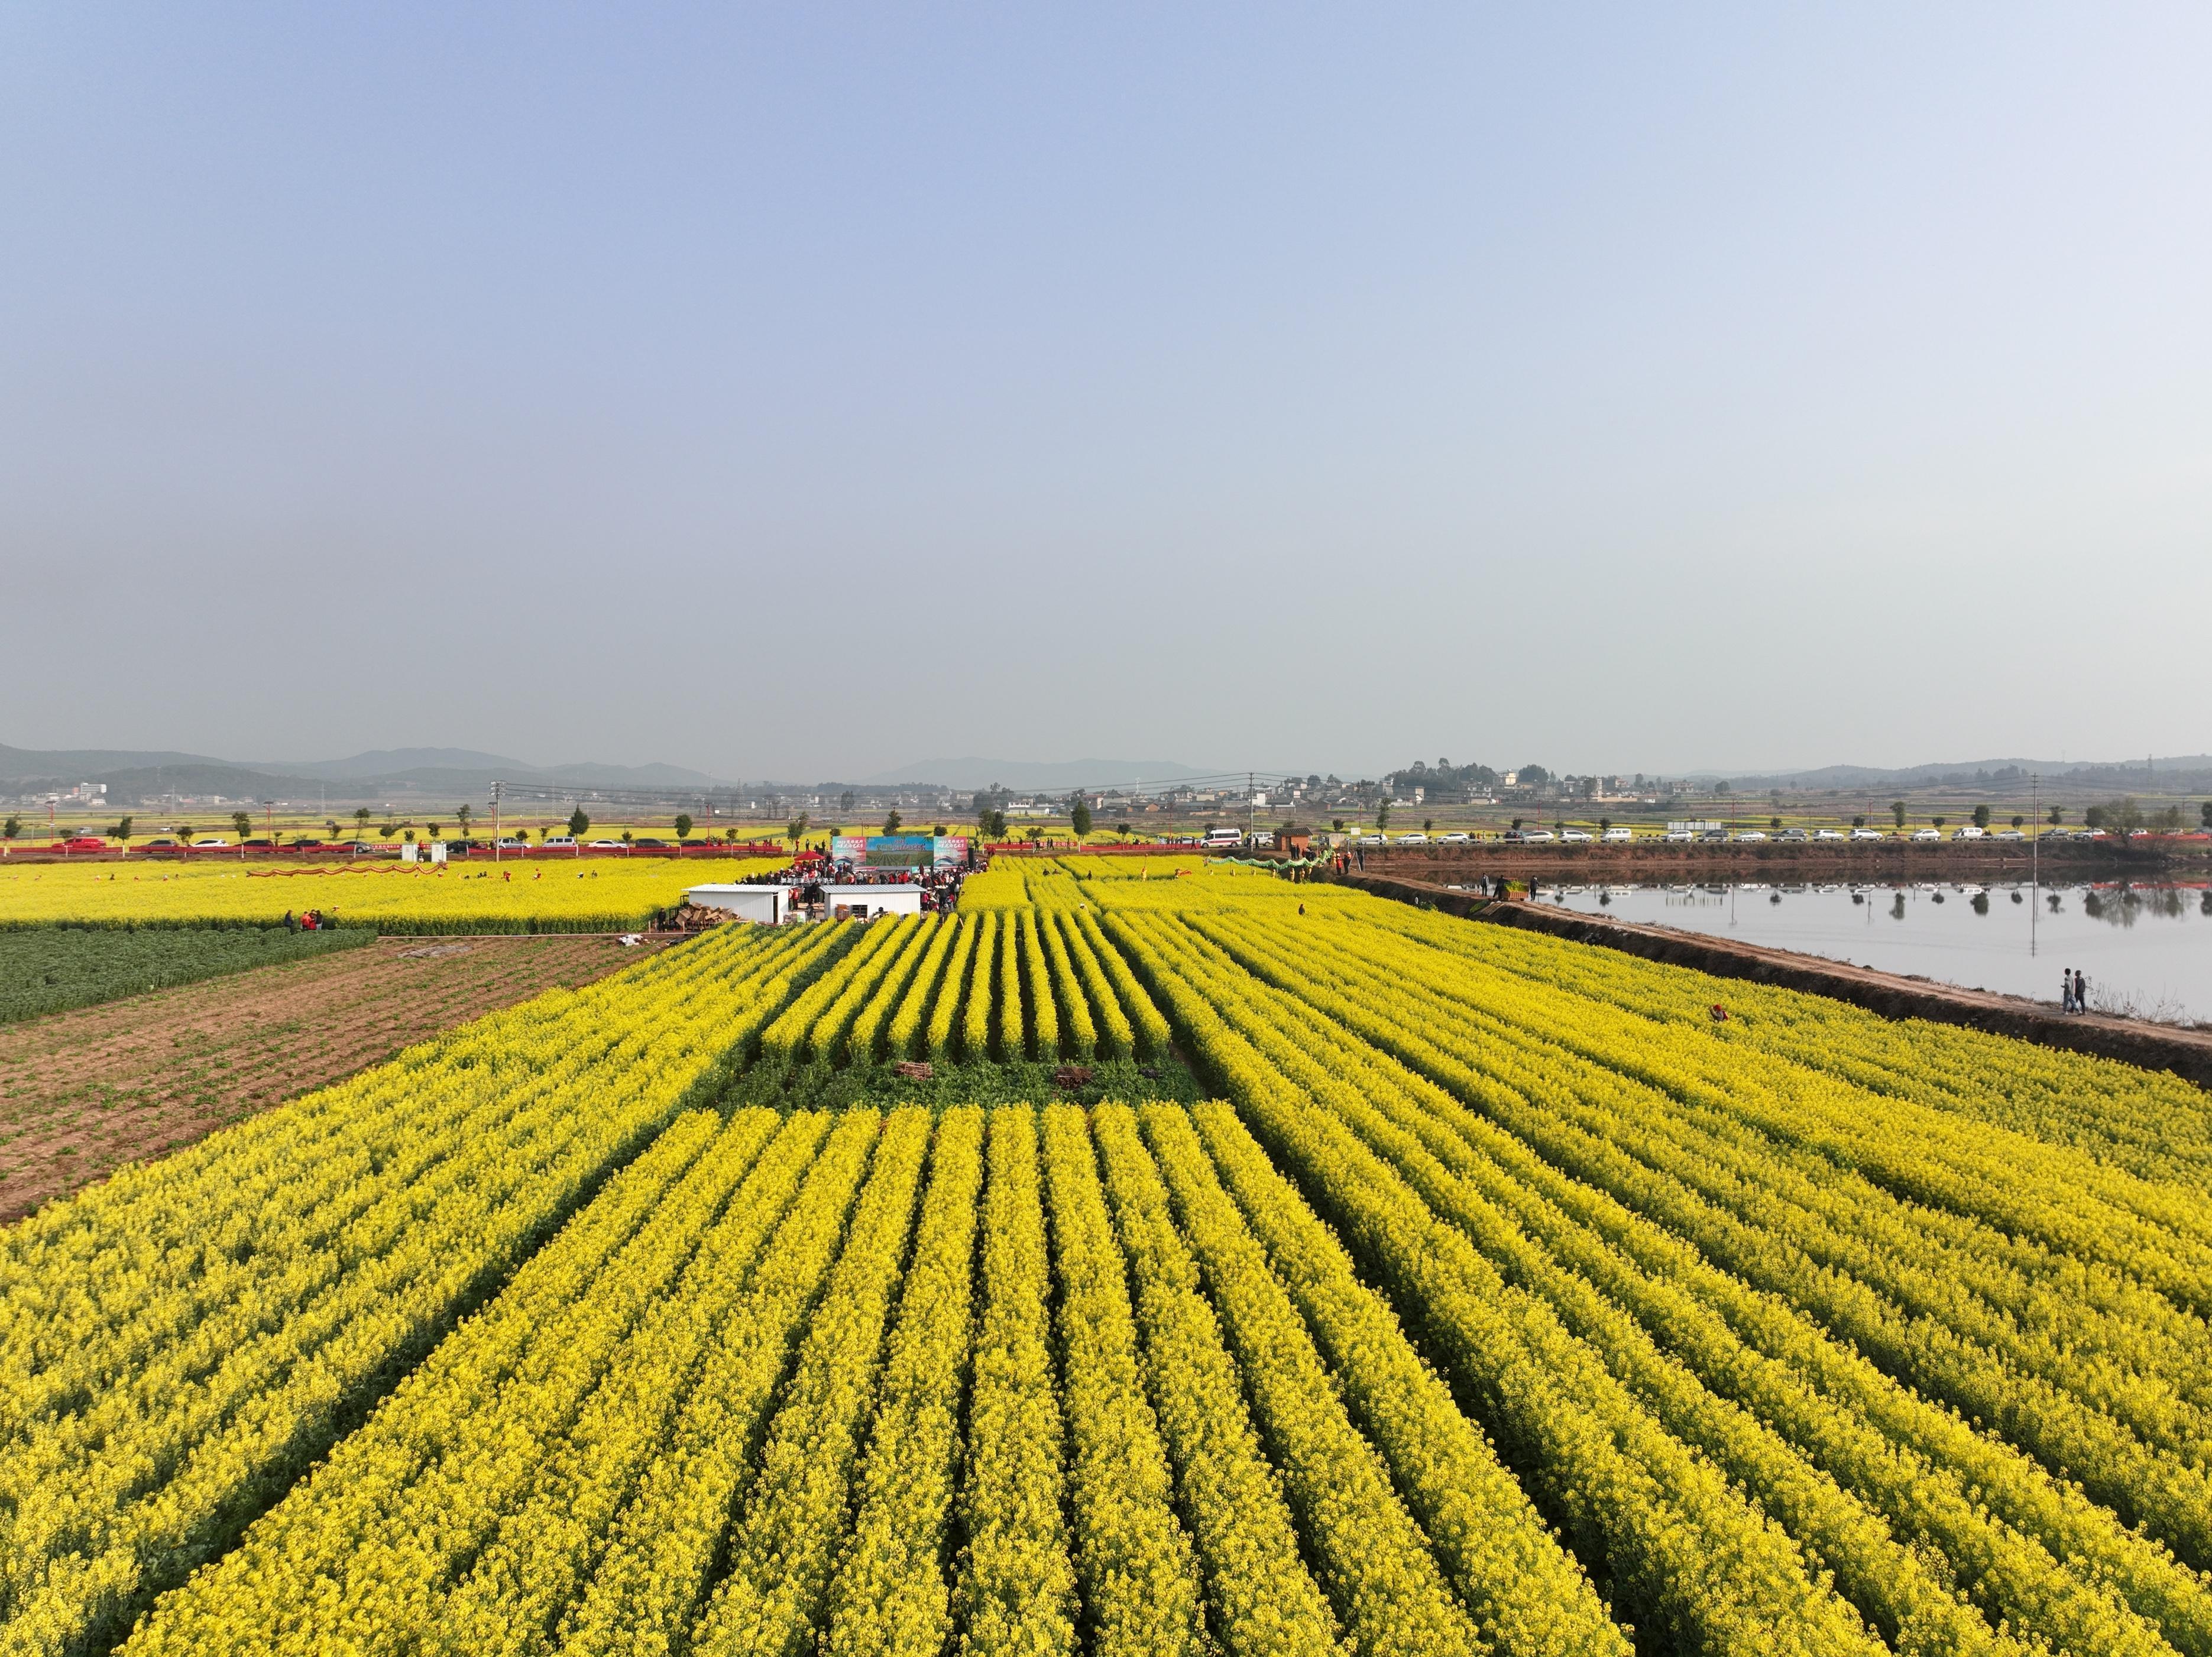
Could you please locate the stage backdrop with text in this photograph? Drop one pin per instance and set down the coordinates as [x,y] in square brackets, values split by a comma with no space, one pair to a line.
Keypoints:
[898,850]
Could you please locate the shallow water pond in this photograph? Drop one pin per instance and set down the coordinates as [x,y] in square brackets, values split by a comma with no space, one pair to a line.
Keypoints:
[2146,949]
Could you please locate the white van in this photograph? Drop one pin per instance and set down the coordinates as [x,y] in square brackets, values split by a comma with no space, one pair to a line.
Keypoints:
[1224,837]
[1618,836]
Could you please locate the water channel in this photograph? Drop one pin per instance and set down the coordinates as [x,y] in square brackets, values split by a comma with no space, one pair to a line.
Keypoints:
[2147,950]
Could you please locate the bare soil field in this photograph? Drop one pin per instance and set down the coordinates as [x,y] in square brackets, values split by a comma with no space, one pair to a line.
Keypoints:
[85,1091]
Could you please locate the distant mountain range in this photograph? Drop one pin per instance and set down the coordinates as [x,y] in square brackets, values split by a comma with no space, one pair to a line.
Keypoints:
[386,763]
[972,773]
[133,776]
[2172,767]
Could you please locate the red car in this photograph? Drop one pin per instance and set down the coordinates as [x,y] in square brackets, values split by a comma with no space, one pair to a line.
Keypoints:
[80,842]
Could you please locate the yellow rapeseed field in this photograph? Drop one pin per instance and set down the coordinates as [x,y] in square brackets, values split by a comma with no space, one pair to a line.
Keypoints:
[598,894]
[1503,1302]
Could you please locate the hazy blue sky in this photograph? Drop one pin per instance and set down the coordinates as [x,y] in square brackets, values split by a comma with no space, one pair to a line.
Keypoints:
[803,391]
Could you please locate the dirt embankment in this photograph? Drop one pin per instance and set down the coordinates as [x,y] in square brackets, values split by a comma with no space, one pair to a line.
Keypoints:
[2187,1053]
[84,1091]
[1873,861]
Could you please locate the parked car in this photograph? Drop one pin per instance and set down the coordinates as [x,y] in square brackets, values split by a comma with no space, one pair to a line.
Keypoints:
[649,845]
[258,843]
[1713,836]
[558,842]
[1926,834]
[1413,839]
[606,845]
[1968,832]
[1866,834]
[1537,837]
[210,843]
[1617,836]
[1795,836]
[299,842]
[1679,836]
[1372,840]
[1575,836]
[1830,834]
[80,842]
[2008,834]
[513,842]
[1745,836]
[1456,837]
[163,843]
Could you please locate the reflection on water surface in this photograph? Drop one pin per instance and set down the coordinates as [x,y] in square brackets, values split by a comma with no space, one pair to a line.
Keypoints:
[2146,949]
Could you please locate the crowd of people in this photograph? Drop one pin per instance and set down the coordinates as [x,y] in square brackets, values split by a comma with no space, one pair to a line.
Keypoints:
[941,886]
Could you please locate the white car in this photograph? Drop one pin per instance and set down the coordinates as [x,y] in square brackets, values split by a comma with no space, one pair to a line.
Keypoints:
[558,842]
[1456,837]
[1745,836]
[1681,836]
[1413,839]
[2008,834]
[1926,834]
[1617,836]
[1537,837]
[513,842]
[1373,840]
[210,843]
[1830,834]
[606,845]
[1969,832]
[1866,834]
[1575,836]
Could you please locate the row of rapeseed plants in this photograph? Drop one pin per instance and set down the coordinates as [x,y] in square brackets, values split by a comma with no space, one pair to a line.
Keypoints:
[1503,1302]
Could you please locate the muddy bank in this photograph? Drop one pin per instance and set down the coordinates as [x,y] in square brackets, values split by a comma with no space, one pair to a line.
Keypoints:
[2187,1053]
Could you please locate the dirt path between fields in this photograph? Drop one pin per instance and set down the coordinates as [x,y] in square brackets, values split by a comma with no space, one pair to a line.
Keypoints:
[83,1091]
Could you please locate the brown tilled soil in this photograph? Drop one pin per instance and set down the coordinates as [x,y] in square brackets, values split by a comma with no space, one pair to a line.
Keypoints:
[82,1092]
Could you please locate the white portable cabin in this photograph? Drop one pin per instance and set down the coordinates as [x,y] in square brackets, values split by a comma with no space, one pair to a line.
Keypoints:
[768,904]
[866,902]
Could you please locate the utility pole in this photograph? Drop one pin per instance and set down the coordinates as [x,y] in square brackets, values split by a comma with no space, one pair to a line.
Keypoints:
[268,822]
[495,788]
[2034,859]
[1251,811]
